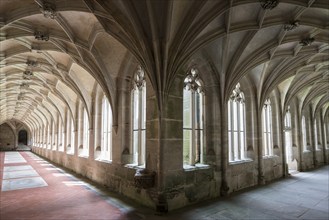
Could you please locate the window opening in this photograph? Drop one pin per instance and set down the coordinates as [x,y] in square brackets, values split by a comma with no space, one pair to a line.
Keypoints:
[267,129]
[139,117]
[304,134]
[236,125]
[193,98]
[106,149]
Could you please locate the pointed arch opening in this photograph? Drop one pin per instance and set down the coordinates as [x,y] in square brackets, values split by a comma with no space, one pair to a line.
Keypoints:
[193,119]
[236,125]
[138,110]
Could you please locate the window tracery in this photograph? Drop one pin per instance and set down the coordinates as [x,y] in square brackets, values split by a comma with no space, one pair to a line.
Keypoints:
[288,135]
[236,125]
[267,129]
[85,131]
[304,134]
[106,149]
[139,117]
[193,122]
[316,136]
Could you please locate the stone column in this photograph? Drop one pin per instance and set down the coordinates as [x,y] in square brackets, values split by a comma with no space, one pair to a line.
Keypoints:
[323,137]
[79,129]
[75,144]
[55,132]
[224,151]
[16,137]
[76,129]
[121,130]
[164,143]
[283,143]
[91,144]
[44,136]
[300,140]
[64,133]
[50,134]
[261,175]
[68,133]
[97,125]
[315,162]
[59,133]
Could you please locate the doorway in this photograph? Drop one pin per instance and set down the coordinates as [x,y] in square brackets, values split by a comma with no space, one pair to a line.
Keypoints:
[22,137]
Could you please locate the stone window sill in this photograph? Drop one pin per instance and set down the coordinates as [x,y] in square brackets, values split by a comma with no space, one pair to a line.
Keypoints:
[240,161]
[135,166]
[306,151]
[270,156]
[198,166]
[84,155]
[103,160]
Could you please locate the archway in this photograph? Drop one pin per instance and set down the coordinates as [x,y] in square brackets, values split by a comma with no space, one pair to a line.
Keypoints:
[22,137]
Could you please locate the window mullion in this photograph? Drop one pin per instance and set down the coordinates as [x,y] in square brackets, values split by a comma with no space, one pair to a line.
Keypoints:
[232,131]
[139,130]
[192,115]
[239,130]
[266,132]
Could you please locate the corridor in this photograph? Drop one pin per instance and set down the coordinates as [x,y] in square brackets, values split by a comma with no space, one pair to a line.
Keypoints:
[33,188]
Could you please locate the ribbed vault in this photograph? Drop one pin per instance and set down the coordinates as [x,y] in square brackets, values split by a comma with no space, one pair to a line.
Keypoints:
[55,53]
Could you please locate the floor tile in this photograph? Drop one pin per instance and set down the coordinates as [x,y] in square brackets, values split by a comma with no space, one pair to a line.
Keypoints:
[26,183]
[16,168]
[19,174]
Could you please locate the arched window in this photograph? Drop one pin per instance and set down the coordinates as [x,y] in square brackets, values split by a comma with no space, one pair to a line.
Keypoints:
[304,134]
[44,140]
[193,119]
[287,120]
[48,145]
[139,117]
[39,136]
[69,133]
[236,125]
[316,136]
[288,138]
[267,129]
[85,132]
[326,131]
[60,135]
[71,151]
[106,149]
[54,135]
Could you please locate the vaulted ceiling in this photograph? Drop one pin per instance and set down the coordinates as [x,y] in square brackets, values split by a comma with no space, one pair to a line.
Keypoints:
[54,53]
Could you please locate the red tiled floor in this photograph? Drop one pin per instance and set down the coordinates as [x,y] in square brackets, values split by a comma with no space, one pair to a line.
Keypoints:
[55,201]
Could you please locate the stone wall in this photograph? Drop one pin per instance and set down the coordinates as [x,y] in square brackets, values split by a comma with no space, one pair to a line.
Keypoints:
[242,175]
[307,161]
[272,168]
[319,157]
[117,178]
[185,187]
[7,138]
